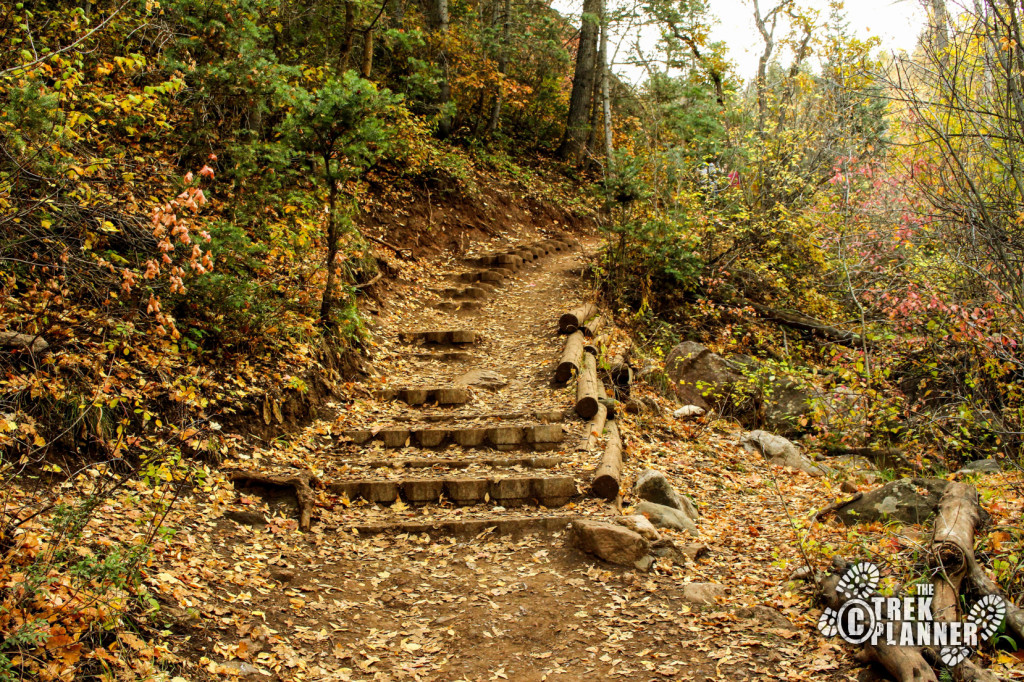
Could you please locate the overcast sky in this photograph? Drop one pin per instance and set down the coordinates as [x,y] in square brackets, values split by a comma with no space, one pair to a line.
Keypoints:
[897,23]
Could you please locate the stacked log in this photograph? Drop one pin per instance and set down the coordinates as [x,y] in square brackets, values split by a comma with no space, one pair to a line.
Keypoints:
[594,429]
[588,388]
[569,365]
[608,474]
[595,345]
[574,319]
[592,326]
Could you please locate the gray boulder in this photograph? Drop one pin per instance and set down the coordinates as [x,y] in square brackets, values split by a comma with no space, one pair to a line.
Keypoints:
[780,451]
[699,377]
[653,486]
[786,404]
[908,500]
[668,517]
[608,541]
[638,523]
[981,466]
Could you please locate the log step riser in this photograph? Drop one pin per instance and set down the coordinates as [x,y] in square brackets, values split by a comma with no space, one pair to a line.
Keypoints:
[505,492]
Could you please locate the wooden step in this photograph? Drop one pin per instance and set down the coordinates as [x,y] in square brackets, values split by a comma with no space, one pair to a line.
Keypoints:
[497,525]
[511,491]
[445,357]
[526,462]
[543,416]
[467,293]
[494,276]
[539,437]
[448,395]
[445,337]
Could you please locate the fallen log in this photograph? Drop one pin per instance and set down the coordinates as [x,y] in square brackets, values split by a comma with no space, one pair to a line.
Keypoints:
[569,365]
[299,482]
[806,324]
[983,586]
[607,475]
[596,345]
[620,371]
[572,320]
[33,344]
[592,326]
[957,519]
[594,430]
[587,386]
[905,663]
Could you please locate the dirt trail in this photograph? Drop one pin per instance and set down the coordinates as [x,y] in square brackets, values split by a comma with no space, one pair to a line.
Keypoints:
[457,601]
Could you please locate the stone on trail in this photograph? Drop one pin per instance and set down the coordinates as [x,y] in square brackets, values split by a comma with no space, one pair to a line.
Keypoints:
[689,411]
[981,466]
[703,593]
[609,542]
[638,523]
[654,486]
[908,500]
[699,377]
[483,378]
[780,451]
[667,517]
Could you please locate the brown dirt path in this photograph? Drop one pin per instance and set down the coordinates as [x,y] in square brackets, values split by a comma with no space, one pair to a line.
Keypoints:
[265,602]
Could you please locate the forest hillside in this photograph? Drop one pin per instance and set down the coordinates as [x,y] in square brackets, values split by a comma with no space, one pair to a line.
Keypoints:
[501,339]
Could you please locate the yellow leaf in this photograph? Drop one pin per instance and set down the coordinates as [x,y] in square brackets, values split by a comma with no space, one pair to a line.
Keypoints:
[39,441]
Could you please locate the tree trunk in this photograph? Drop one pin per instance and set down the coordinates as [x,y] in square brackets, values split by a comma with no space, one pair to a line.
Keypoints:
[327,303]
[439,19]
[367,53]
[350,36]
[606,100]
[577,125]
[495,119]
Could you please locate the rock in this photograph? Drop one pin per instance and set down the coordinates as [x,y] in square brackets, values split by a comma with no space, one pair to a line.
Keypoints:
[679,553]
[766,615]
[848,487]
[689,411]
[703,593]
[609,542]
[643,405]
[644,564]
[779,451]
[283,575]
[786,404]
[981,466]
[908,500]
[653,486]
[638,523]
[668,517]
[246,517]
[482,378]
[699,377]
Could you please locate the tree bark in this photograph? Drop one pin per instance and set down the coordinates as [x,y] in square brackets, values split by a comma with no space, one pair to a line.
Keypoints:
[577,125]
[439,20]
[569,365]
[607,476]
[594,430]
[952,542]
[327,303]
[588,388]
[574,319]
[506,27]
[350,36]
